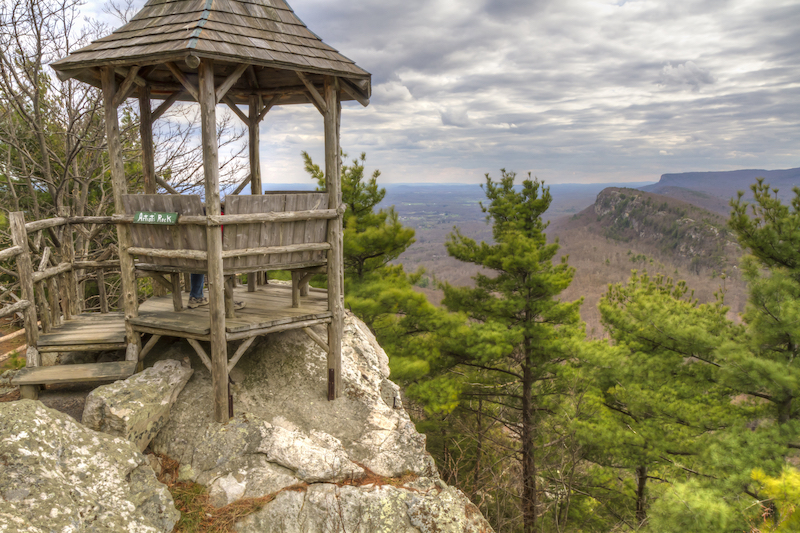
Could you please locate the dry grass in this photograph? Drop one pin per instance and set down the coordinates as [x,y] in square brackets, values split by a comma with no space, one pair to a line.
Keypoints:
[199,516]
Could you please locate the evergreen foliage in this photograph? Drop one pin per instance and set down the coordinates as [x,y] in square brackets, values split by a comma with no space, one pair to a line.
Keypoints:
[513,353]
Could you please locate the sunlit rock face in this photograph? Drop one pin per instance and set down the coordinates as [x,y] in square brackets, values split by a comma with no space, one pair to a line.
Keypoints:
[57,475]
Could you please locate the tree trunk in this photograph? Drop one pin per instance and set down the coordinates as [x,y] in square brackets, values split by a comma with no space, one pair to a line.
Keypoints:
[528,459]
[641,494]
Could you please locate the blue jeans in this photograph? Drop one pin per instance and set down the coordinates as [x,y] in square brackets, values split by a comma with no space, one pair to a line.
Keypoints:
[196,282]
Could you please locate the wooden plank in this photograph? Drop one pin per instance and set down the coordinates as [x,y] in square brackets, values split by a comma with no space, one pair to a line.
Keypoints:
[333,184]
[75,373]
[216,282]
[275,329]
[100,347]
[25,271]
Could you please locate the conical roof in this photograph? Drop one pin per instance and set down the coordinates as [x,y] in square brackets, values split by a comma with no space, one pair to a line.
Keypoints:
[262,33]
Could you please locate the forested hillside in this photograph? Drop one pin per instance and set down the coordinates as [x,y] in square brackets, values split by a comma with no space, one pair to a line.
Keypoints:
[627,229]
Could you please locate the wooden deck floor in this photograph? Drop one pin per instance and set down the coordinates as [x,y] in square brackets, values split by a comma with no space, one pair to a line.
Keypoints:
[267,307]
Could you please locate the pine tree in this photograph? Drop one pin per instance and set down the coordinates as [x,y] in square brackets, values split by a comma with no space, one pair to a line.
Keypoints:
[512,352]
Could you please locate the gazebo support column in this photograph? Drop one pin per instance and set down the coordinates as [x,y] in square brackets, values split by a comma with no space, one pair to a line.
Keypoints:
[333,182]
[216,281]
[128,275]
[255,164]
[148,155]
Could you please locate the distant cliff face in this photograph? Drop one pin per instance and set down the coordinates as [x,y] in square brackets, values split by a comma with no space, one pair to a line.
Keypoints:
[673,227]
[714,190]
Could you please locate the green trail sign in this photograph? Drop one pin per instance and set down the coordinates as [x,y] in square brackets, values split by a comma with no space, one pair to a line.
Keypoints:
[149,217]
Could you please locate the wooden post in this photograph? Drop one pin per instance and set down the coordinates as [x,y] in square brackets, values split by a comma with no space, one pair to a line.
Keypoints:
[177,298]
[216,281]
[148,155]
[68,256]
[255,164]
[130,302]
[333,183]
[25,271]
[101,290]
[52,295]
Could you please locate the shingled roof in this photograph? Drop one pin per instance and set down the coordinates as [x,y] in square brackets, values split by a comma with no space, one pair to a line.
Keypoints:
[263,33]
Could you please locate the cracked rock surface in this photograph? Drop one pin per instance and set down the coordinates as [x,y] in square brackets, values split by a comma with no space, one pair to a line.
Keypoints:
[286,438]
[57,475]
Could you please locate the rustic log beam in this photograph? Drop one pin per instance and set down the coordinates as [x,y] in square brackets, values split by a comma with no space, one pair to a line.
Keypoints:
[333,184]
[242,185]
[175,254]
[316,338]
[201,353]
[146,135]
[8,253]
[25,270]
[316,97]
[239,353]
[272,101]
[289,248]
[303,283]
[216,281]
[138,80]
[177,298]
[238,112]
[166,104]
[161,280]
[101,290]
[68,254]
[357,94]
[127,269]
[183,80]
[166,186]
[62,268]
[222,90]
[112,263]
[149,346]
[274,329]
[37,225]
[14,308]
[126,87]
[276,216]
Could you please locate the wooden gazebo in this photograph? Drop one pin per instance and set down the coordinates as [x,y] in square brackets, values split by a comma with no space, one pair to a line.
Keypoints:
[251,53]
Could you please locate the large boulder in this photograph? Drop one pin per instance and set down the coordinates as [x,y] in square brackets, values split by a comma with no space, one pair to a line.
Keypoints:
[282,380]
[323,461]
[60,476]
[138,407]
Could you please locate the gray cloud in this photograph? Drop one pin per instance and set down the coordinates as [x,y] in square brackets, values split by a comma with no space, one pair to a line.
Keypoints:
[685,74]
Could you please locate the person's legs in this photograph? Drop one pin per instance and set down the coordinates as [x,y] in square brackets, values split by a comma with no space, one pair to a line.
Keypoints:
[196,291]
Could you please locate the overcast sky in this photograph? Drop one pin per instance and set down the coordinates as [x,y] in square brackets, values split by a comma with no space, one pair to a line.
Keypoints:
[570,90]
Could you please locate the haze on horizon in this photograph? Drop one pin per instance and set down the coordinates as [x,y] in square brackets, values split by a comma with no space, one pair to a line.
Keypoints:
[574,91]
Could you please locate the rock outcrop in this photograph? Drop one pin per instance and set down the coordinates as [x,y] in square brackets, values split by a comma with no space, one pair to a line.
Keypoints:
[138,407]
[57,475]
[354,464]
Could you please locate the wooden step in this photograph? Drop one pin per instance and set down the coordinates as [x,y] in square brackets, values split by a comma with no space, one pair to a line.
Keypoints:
[45,375]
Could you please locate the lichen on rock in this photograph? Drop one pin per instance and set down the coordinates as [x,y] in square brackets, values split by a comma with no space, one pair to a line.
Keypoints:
[60,476]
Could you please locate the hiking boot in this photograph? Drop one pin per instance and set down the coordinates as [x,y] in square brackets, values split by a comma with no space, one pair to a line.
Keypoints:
[197,302]
[238,305]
